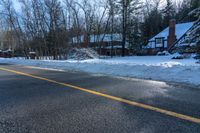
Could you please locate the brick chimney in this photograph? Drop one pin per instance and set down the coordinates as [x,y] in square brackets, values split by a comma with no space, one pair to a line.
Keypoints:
[172,33]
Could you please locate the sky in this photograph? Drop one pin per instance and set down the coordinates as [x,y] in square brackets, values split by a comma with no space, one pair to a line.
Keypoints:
[17,6]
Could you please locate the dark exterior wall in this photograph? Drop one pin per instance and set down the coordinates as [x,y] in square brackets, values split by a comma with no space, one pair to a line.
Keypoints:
[154,51]
[102,50]
[100,47]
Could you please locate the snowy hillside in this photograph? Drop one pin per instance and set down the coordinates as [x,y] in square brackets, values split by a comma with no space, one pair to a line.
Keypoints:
[148,67]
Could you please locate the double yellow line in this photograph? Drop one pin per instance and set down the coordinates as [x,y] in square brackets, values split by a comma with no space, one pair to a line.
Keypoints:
[144,106]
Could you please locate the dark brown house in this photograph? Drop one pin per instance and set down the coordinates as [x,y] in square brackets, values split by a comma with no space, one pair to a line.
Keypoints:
[104,44]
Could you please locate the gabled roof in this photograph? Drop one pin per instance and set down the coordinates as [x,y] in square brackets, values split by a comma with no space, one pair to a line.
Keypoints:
[105,38]
[99,38]
[181,29]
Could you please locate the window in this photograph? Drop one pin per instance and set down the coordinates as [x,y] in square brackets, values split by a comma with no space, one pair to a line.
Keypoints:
[159,42]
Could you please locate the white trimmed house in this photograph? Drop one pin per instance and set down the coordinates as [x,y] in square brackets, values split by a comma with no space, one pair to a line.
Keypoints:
[169,37]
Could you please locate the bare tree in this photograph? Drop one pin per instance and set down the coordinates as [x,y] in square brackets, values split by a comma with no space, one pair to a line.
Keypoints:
[127,8]
[74,19]
[13,20]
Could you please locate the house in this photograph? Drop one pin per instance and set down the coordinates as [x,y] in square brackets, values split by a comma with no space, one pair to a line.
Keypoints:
[104,44]
[169,37]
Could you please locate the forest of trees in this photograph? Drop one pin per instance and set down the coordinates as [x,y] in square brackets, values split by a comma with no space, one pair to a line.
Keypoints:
[47,26]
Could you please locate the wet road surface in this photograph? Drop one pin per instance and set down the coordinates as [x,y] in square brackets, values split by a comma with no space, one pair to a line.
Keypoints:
[32,105]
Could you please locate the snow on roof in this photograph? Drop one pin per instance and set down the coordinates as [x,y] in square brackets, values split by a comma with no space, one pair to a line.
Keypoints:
[181,29]
[99,38]
[78,39]
[116,47]
[32,52]
[106,37]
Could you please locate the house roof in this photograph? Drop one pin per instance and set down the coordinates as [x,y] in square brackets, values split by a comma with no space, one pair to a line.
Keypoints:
[105,38]
[99,38]
[181,29]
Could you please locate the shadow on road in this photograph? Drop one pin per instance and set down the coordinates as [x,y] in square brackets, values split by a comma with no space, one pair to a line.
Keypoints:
[4,64]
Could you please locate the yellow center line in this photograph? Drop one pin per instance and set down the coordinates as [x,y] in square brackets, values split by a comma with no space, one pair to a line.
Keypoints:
[141,105]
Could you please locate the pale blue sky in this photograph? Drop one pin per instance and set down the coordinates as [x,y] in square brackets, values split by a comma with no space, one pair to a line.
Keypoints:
[17,6]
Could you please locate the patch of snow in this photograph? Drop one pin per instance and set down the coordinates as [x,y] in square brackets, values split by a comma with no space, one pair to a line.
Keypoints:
[163,53]
[185,44]
[82,54]
[161,68]
[32,52]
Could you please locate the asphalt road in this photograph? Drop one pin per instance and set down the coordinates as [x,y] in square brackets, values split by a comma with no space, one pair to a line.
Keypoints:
[32,105]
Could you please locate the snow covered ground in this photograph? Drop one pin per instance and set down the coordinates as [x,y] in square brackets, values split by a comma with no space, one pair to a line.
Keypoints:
[161,68]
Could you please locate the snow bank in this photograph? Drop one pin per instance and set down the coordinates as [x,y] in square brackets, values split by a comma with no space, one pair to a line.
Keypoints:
[148,67]
[82,54]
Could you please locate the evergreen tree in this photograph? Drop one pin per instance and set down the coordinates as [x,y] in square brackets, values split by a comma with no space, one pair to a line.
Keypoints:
[194,5]
[150,27]
[168,13]
[186,7]
[195,31]
[128,10]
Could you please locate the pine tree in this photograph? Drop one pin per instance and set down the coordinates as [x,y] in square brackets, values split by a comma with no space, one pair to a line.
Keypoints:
[185,7]
[169,13]
[128,9]
[195,31]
